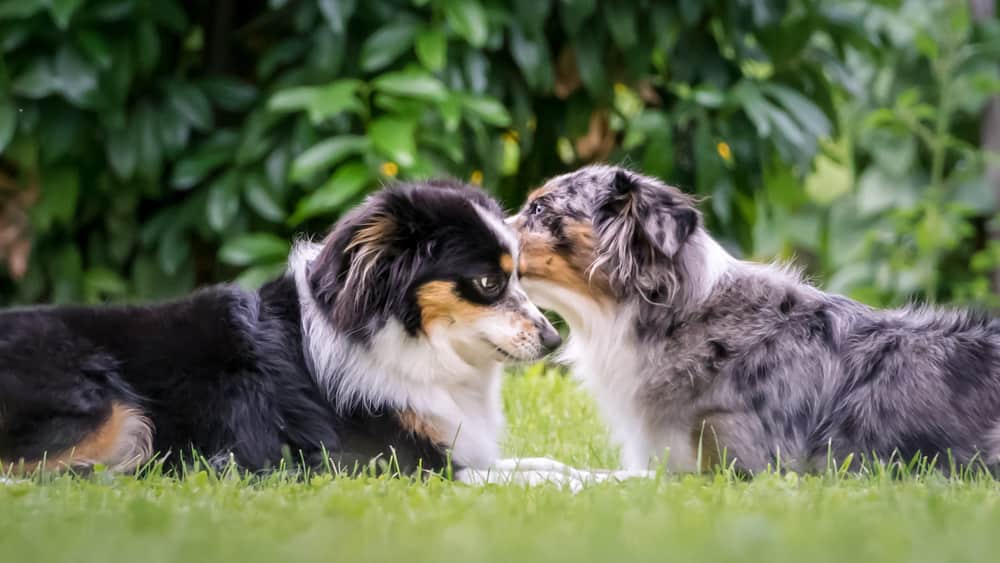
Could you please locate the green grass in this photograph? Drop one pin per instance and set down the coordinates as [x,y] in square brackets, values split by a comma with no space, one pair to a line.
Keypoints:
[682,518]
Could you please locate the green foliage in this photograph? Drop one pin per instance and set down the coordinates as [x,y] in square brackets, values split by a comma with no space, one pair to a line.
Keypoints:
[162,146]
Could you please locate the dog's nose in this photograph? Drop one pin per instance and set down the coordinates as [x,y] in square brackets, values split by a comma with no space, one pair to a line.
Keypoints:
[550,337]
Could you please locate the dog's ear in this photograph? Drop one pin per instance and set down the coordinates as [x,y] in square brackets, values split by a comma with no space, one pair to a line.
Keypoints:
[640,223]
[370,250]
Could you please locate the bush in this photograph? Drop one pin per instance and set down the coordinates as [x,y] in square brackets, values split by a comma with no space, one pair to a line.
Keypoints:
[153,145]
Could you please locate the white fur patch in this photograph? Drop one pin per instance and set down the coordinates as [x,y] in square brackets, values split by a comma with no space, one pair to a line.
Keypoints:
[420,373]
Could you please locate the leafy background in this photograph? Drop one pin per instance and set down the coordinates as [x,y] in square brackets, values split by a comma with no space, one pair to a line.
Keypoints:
[150,146]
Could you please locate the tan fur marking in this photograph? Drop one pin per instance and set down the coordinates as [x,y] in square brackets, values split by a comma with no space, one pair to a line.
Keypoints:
[122,442]
[537,193]
[370,242]
[422,426]
[439,303]
[507,263]
[571,269]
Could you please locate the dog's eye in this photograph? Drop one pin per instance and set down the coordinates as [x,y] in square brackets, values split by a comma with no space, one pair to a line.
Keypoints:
[489,285]
[535,208]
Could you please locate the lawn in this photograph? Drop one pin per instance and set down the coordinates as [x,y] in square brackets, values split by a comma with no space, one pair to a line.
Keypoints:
[682,518]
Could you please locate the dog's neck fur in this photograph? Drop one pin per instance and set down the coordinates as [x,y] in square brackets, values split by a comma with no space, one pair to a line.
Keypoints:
[400,371]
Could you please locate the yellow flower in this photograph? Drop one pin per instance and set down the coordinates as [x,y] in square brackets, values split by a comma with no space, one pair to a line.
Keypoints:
[476,177]
[724,151]
[390,169]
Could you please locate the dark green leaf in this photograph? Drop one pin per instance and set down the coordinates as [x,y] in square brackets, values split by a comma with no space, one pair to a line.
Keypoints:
[148,135]
[394,138]
[147,46]
[77,78]
[488,109]
[95,47]
[37,80]
[209,156]
[432,48]
[262,200]
[174,130]
[257,276]
[346,182]
[468,19]
[63,10]
[223,202]
[326,154]
[574,12]
[620,18]
[189,101]
[386,45]
[590,64]
[123,151]
[337,13]
[321,102]
[412,82]
[531,53]
[230,94]
[102,281]
[8,122]
[57,206]
[804,111]
[66,271]
[256,248]
[19,9]
[173,251]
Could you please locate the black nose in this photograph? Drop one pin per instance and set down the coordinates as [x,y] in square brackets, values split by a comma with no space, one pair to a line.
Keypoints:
[550,337]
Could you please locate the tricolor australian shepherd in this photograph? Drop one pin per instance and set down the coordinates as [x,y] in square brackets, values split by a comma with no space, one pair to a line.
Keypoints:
[385,340]
[696,357]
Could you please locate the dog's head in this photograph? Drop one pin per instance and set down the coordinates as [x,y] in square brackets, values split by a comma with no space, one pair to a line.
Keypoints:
[436,259]
[605,234]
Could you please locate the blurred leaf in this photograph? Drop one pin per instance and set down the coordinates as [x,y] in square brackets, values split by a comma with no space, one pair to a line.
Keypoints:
[326,154]
[223,202]
[262,200]
[487,109]
[102,281]
[230,94]
[805,112]
[123,151]
[95,47]
[348,181]
[394,138]
[63,10]
[148,137]
[412,82]
[620,19]
[254,248]
[321,102]
[254,277]
[173,251]
[57,205]
[574,12]
[337,13]
[386,45]
[8,122]
[189,101]
[468,19]
[432,48]
[37,80]
[66,271]
[926,44]
[174,131]
[209,156]
[147,51]
[532,56]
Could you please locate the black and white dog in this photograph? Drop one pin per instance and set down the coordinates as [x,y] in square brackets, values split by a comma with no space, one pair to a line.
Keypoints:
[700,357]
[385,340]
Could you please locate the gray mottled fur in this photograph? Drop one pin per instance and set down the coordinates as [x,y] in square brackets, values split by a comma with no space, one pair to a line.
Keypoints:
[750,361]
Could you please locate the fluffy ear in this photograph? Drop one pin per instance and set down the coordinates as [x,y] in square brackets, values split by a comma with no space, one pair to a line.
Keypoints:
[369,250]
[639,224]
